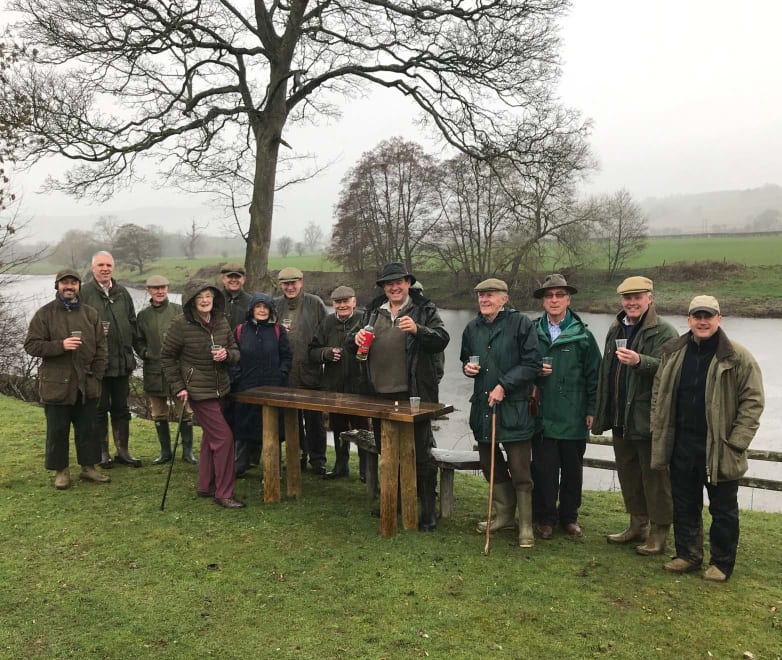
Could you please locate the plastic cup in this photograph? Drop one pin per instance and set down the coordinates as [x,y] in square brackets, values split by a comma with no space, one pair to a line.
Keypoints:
[415,403]
[286,323]
[547,360]
[215,348]
[621,343]
[76,333]
[475,359]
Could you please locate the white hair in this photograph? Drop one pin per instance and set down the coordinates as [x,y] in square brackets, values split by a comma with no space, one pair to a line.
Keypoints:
[101,253]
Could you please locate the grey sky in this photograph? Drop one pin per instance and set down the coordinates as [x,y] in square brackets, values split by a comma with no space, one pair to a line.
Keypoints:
[684,97]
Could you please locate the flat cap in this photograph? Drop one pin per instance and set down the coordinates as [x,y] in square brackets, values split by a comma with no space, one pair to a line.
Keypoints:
[707,304]
[492,284]
[554,281]
[67,272]
[229,269]
[635,284]
[342,292]
[157,280]
[289,274]
[394,271]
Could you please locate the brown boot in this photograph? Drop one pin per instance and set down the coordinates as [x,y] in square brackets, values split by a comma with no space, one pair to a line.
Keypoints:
[655,543]
[637,531]
[89,473]
[62,480]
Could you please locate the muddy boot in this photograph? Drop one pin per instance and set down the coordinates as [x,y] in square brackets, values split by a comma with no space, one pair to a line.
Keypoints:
[637,531]
[120,429]
[526,533]
[342,464]
[102,431]
[427,494]
[89,473]
[186,431]
[655,543]
[62,479]
[164,438]
[504,509]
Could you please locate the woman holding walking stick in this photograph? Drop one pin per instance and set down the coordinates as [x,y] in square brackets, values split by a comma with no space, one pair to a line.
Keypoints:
[500,352]
[200,341]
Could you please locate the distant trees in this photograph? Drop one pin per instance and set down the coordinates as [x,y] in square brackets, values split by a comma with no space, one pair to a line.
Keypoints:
[76,247]
[621,230]
[313,235]
[192,239]
[135,246]
[284,245]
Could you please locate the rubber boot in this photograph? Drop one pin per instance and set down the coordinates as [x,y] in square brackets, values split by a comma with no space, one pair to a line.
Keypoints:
[637,531]
[342,463]
[102,431]
[186,431]
[164,438]
[120,429]
[427,493]
[526,533]
[504,508]
[655,543]
[362,465]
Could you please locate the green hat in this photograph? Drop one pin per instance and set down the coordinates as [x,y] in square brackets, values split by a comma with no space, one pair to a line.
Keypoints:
[554,281]
[66,272]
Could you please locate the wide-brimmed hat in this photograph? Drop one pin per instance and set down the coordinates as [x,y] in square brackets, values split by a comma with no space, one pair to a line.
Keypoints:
[554,281]
[706,304]
[394,271]
[157,280]
[635,284]
[492,284]
[289,274]
[232,269]
[343,292]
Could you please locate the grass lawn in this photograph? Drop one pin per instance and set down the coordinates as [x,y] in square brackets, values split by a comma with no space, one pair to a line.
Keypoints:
[747,250]
[99,571]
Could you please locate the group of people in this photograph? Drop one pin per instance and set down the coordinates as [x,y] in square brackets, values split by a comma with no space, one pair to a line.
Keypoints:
[682,410]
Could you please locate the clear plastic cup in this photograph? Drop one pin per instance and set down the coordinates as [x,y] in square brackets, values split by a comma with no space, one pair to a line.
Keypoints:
[621,343]
[415,403]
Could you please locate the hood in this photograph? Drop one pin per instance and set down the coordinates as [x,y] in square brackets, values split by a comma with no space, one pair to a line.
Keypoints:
[194,287]
[266,300]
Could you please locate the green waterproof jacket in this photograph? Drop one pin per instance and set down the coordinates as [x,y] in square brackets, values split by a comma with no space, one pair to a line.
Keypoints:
[569,394]
[152,323]
[187,356]
[64,376]
[647,342]
[509,356]
[734,403]
[116,308]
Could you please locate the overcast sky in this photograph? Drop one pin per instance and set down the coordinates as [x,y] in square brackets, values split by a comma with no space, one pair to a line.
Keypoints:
[684,95]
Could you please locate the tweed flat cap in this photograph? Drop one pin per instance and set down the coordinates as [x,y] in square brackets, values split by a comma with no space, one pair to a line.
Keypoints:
[342,292]
[492,284]
[635,284]
[230,269]
[706,304]
[157,280]
[289,274]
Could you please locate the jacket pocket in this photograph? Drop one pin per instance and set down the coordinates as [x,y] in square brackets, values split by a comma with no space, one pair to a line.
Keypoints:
[732,464]
[54,384]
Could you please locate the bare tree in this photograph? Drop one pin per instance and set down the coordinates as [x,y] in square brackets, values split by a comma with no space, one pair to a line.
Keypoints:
[135,245]
[195,81]
[106,229]
[192,239]
[313,235]
[284,246]
[76,248]
[300,248]
[622,230]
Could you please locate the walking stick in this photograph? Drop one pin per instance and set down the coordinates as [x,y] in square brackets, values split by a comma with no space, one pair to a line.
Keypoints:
[176,443]
[491,475]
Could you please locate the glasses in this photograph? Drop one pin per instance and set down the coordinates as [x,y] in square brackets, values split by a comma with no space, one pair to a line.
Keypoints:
[204,296]
[556,294]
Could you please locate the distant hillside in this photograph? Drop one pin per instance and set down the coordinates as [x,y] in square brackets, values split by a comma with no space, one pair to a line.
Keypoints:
[757,209]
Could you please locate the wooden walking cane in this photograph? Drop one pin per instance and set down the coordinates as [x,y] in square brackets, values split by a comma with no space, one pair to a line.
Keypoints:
[176,442]
[491,474]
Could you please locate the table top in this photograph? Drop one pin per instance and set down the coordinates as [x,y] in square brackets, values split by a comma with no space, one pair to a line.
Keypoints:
[347,404]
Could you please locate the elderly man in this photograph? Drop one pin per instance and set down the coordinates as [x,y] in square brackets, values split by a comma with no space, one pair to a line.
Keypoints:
[301,314]
[118,316]
[153,321]
[500,352]
[237,300]
[568,394]
[630,360]
[706,407]
[340,372]
[68,336]
[402,362]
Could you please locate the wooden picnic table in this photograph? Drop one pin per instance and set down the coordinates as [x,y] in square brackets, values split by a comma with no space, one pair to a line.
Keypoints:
[397,458]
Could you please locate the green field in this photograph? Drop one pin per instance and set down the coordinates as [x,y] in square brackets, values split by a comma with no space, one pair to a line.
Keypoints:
[747,250]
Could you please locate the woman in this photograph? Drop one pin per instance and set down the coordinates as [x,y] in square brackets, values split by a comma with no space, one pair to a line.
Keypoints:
[196,353]
[265,359]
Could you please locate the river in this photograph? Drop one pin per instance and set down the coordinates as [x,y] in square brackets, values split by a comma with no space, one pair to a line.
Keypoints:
[454,433]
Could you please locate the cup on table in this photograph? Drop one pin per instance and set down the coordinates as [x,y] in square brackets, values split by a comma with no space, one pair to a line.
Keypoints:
[475,359]
[415,403]
[106,325]
[621,343]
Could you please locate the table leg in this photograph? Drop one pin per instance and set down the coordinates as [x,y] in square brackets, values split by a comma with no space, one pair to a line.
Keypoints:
[271,455]
[292,453]
[389,477]
[407,476]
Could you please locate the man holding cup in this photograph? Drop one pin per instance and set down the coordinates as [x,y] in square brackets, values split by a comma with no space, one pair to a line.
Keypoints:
[69,339]
[568,394]
[624,406]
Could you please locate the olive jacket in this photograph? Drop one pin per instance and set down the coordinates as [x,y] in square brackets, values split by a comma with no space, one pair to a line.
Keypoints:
[509,356]
[306,311]
[186,355]
[569,394]
[151,324]
[65,375]
[344,375]
[116,308]
[734,403]
[647,342]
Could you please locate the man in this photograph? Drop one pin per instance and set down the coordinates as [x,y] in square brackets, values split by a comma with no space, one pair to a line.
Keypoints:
[508,359]
[68,336]
[624,406]
[706,407]
[301,313]
[409,333]
[115,308]
[153,321]
[237,300]
[341,372]
[568,394]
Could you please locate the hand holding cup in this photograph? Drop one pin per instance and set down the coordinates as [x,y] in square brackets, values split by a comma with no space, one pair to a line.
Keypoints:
[546,368]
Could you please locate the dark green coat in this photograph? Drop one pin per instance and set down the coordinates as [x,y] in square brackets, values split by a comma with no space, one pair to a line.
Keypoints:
[64,374]
[648,342]
[152,323]
[187,346]
[569,394]
[345,375]
[117,308]
[510,357]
